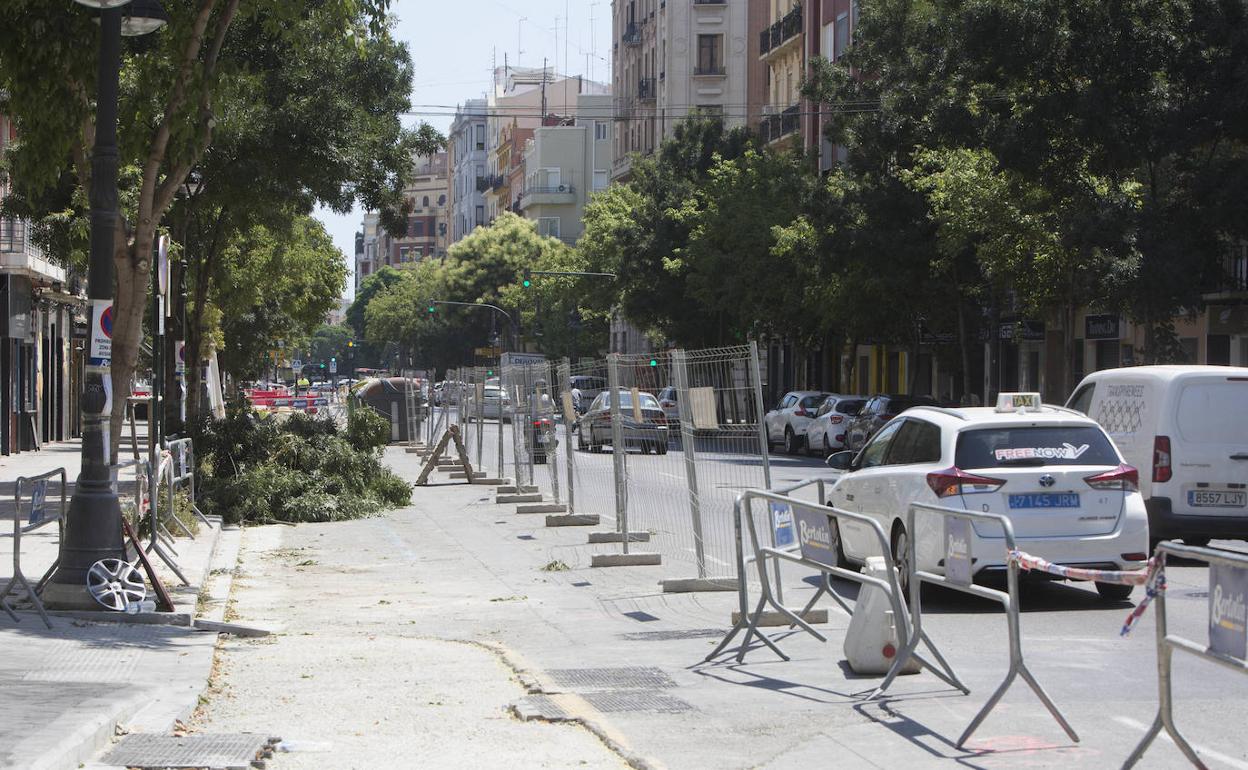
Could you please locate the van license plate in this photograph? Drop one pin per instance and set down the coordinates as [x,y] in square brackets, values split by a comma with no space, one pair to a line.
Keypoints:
[1045,500]
[1207,498]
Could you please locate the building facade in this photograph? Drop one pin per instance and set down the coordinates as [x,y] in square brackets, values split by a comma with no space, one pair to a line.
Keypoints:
[467,149]
[676,58]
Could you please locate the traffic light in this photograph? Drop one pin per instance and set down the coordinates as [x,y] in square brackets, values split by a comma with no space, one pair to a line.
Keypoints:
[322,366]
[432,308]
[526,279]
[350,343]
[654,362]
[489,372]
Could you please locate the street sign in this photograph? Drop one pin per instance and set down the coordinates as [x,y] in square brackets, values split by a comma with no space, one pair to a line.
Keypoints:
[101,351]
[296,364]
[179,358]
[333,366]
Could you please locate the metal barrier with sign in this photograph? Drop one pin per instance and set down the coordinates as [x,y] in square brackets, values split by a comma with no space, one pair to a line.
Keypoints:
[959,559]
[182,473]
[1228,636]
[36,517]
[803,536]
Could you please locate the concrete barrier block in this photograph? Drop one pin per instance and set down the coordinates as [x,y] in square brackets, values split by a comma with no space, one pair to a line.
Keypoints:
[771,618]
[617,537]
[542,508]
[535,497]
[511,489]
[698,585]
[626,560]
[573,520]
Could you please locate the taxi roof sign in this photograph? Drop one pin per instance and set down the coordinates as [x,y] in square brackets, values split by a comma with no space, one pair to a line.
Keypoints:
[1018,402]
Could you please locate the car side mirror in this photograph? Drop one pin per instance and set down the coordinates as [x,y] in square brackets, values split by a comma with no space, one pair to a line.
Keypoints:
[840,461]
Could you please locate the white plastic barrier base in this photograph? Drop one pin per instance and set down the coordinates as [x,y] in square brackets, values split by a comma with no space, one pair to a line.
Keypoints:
[871,640]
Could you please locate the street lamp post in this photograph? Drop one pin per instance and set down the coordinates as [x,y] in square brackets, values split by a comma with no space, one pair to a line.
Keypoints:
[93,524]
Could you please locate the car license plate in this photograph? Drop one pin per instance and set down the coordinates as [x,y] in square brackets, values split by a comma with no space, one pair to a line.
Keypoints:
[1045,500]
[1217,498]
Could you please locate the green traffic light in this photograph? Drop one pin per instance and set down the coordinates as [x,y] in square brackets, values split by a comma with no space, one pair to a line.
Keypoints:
[489,372]
[432,309]
[527,283]
[654,362]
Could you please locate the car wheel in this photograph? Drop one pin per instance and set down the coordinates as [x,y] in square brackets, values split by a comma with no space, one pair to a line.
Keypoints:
[839,550]
[1113,592]
[901,558]
[791,443]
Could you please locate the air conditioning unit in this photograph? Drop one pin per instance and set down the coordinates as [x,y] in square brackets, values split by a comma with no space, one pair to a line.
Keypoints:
[563,188]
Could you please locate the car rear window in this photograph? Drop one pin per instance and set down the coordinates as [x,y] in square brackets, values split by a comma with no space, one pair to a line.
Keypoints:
[1214,412]
[850,406]
[812,402]
[647,401]
[1056,445]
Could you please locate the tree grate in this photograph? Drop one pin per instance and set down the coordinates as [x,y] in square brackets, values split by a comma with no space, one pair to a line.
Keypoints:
[216,751]
[667,636]
[637,700]
[628,677]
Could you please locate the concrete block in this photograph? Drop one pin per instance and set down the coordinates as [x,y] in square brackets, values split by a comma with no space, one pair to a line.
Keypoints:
[487,481]
[573,520]
[771,618]
[626,560]
[542,508]
[617,537]
[512,489]
[535,497]
[698,585]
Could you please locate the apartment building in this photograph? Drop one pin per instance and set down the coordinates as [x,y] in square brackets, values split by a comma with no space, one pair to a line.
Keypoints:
[467,149]
[41,359]
[675,58]
[564,165]
[367,260]
[507,162]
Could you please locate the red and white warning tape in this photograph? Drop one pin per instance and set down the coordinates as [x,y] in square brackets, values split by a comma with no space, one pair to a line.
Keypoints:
[1153,579]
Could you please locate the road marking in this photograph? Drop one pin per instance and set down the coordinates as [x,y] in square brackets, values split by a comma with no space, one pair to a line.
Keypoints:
[1232,761]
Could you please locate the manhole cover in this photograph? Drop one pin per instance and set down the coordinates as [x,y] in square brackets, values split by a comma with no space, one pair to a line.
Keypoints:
[667,636]
[636,700]
[540,707]
[208,750]
[628,677]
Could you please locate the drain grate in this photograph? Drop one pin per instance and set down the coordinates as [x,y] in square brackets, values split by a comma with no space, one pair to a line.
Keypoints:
[628,677]
[637,700]
[222,751]
[541,707]
[667,636]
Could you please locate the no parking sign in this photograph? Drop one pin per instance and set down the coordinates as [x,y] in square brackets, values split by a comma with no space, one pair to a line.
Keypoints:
[101,353]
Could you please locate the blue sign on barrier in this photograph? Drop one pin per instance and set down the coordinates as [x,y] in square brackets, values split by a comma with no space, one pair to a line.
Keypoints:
[814,533]
[782,524]
[1228,610]
[38,501]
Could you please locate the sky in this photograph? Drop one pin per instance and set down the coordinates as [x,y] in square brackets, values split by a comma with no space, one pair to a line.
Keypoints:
[455,45]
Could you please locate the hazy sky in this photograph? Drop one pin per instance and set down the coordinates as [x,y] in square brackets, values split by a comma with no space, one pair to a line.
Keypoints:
[454,46]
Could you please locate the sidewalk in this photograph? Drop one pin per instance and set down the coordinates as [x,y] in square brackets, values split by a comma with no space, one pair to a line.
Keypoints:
[64,690]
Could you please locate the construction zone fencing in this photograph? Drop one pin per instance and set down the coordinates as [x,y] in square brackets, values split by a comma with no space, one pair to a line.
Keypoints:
[36,516]
[1228,634]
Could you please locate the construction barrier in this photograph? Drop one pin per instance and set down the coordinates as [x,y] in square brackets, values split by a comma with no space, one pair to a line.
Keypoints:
[958,568]
[37,516]
[800,533]
[1228,634]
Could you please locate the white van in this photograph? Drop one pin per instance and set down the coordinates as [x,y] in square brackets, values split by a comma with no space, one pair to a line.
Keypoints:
[1186,429]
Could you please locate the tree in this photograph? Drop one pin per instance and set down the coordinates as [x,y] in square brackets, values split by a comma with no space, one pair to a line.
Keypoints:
[330,342]
[170,92]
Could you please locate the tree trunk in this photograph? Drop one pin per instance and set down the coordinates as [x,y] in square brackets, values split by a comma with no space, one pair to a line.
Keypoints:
[133,263]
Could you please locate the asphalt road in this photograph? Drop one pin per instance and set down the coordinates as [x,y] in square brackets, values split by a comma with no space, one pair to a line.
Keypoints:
[1106,684]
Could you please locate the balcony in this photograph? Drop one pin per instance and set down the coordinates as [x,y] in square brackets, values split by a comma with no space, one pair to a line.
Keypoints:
[1233,277]
[778,35]
[557,195]
[779,124]
[20,254]
[713,70]
[632,34]
[646,89]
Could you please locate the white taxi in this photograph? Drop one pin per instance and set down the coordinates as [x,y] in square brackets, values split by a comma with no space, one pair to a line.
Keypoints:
[1069,495]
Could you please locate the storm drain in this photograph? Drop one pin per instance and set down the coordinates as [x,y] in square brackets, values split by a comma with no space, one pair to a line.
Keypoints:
[625,678]
[217,751]
[667,636]
[636,700]
[541,707]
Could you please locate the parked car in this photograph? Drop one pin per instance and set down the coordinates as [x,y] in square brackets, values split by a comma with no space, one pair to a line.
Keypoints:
[788,422]
[827,433]
[495,404]
[593,431]
[1070,495]
[584,389]
[671,405]
[1187,428]
[878,410]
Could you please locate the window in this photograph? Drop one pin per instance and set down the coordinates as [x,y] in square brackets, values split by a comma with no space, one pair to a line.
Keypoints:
[1082,400]
[917,441]
[403,254]
[418,228]
[548,226]
[842,36]
[874,452]
[602,179]
[480,172]
[480,215]
[710,55]
[425,202]
[441,200]
[600,130]
[1040,446]
[480,136]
